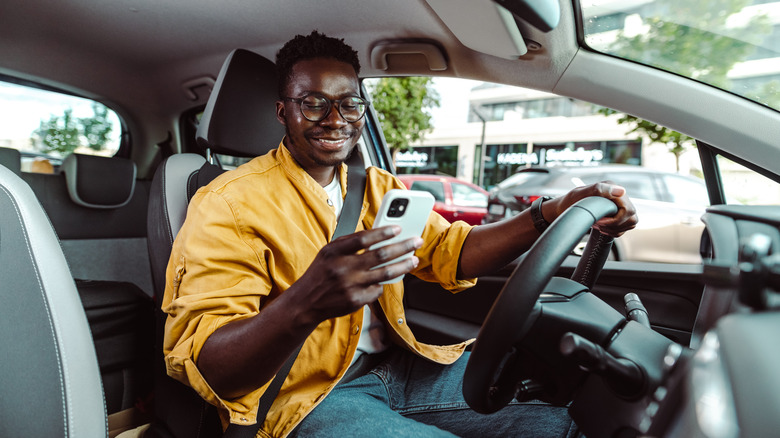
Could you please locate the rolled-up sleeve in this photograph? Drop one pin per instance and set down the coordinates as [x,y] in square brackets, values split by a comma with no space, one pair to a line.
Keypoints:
[440,253]
[214,277]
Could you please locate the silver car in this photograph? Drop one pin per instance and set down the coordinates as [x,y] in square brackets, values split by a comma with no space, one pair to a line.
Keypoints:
[669,206]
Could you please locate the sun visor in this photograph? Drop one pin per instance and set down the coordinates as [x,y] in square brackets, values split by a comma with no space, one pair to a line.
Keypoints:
[482,25]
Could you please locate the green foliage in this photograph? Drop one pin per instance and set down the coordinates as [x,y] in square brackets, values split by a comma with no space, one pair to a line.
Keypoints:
[699,44]
[59,133]
[97,129]
[401,105]
[64,134]
[675,141]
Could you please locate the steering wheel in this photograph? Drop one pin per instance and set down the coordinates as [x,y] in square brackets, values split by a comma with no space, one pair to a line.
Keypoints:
[491,375]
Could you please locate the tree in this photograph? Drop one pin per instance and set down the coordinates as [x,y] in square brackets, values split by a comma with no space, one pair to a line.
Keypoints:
[64,134]
[401,105]
[59,133]
[97,129]
[685,46]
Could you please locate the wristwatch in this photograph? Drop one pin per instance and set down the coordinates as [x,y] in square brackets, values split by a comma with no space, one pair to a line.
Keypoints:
[540,223]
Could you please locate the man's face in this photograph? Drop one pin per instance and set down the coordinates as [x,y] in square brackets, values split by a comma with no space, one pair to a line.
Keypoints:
[318,146]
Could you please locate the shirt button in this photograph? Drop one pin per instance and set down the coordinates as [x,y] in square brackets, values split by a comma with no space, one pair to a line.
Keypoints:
[330,202]
[400,321]
[243,419]
[356,329]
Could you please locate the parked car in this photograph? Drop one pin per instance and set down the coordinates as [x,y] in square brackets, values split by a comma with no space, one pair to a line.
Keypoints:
[670,206]
[77,249]
[456,200]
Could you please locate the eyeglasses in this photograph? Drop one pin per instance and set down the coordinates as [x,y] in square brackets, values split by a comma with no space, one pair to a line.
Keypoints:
[315,107]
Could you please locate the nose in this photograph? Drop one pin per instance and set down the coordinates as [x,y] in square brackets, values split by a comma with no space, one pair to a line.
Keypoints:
[334,118]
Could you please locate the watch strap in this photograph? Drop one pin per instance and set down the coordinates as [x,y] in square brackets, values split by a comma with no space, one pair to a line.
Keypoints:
[540,223]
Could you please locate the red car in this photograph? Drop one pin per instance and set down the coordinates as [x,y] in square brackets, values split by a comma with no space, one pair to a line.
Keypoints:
[456,200]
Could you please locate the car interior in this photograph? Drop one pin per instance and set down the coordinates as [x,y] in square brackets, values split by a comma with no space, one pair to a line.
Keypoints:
[633,348]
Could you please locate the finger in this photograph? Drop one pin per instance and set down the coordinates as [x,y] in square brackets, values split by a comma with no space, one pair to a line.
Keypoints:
[392,251]
[369,294]
[362,240]
[610,190]
[391,271]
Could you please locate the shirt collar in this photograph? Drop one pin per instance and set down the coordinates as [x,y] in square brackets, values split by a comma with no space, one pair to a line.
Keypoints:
[294,170]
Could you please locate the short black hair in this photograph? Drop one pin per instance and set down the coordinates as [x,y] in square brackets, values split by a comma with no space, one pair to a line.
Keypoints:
[314,45]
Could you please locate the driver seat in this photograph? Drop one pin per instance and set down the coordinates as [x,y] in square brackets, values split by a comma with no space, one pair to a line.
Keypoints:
[239,120]
[51,385]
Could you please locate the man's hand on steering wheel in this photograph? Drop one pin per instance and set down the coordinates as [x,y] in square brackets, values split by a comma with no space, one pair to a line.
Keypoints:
[625,219]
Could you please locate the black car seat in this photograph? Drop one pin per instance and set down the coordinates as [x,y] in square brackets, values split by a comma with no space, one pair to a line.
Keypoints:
[12,159]
[51,383]
[239,120]
[119,312]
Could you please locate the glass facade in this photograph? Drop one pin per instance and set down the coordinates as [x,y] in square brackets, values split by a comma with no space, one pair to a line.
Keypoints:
[503,160]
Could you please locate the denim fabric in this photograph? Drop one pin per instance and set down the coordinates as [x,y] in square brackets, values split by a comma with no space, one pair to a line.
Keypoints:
[407,396]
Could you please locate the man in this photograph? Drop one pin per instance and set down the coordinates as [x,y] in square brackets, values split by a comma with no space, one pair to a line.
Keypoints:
[252,276]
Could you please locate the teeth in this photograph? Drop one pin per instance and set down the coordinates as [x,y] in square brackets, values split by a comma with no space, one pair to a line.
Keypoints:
[331,141]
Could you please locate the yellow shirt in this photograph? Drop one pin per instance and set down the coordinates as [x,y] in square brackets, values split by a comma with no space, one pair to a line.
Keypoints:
[249,235]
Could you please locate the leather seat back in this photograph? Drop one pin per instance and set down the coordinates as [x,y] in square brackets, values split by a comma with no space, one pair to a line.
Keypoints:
[51,383]
[239,120]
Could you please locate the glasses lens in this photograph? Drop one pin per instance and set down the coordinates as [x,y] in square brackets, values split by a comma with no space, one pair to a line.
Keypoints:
[352,108]
[315,108]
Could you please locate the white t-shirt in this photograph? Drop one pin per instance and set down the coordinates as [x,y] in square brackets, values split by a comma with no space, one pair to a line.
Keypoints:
[372,336]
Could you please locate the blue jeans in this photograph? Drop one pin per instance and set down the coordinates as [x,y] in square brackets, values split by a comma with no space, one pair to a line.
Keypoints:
[407,396]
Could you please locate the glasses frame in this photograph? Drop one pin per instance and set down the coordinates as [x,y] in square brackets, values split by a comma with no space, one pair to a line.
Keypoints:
[330,103]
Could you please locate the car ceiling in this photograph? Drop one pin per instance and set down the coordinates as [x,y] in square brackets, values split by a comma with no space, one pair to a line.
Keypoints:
[141,56]
[143,41]
[136,55]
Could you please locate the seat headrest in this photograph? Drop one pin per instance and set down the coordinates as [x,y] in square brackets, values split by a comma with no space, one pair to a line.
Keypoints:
[12,159]
[240,116]
[99,182]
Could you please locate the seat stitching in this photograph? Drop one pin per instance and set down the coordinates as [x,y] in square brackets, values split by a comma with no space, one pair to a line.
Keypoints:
[61,365]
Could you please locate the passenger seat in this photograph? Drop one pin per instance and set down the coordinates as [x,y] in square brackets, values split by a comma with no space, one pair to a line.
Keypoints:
[51,384]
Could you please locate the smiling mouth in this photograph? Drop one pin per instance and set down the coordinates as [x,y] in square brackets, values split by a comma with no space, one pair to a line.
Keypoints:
[331,144]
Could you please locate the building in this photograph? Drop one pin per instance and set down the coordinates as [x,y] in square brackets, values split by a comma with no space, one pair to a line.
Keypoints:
[502,128]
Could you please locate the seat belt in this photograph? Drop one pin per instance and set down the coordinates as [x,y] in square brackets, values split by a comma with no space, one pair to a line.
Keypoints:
[350,214]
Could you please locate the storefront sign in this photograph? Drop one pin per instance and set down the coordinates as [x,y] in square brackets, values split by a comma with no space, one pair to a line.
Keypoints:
[411,159]
[580,155]
[517,158]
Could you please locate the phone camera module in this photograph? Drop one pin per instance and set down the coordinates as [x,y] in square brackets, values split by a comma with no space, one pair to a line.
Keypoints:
[397,207]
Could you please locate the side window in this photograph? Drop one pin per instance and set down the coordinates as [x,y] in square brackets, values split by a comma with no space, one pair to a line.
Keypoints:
[435,188]
[45,126]
[489,133]
[465,196]
[746,186]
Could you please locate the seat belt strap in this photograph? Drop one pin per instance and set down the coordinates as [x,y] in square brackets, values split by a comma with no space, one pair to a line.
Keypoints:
[350,214]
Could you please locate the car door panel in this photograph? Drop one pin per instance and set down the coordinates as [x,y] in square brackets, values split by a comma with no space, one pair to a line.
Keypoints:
[671,293]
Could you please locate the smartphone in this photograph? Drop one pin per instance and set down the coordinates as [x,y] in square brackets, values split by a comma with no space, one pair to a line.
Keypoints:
[408,209]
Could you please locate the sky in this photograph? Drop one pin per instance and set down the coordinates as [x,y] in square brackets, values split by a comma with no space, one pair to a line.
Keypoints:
[454,107]
[23,108]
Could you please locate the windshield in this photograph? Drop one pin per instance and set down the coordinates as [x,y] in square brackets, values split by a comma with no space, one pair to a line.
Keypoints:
[730,44]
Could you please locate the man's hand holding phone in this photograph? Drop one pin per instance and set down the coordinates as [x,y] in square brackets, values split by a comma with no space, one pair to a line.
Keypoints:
[349,271]
[408,209]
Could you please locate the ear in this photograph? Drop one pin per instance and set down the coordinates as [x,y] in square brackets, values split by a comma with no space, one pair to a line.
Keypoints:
[281,114]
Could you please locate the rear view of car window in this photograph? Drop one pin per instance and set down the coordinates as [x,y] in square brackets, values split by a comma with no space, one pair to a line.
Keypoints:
[435,188]
[465,196]
[522,178]
[637,184]
[46,126]
[687,191]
